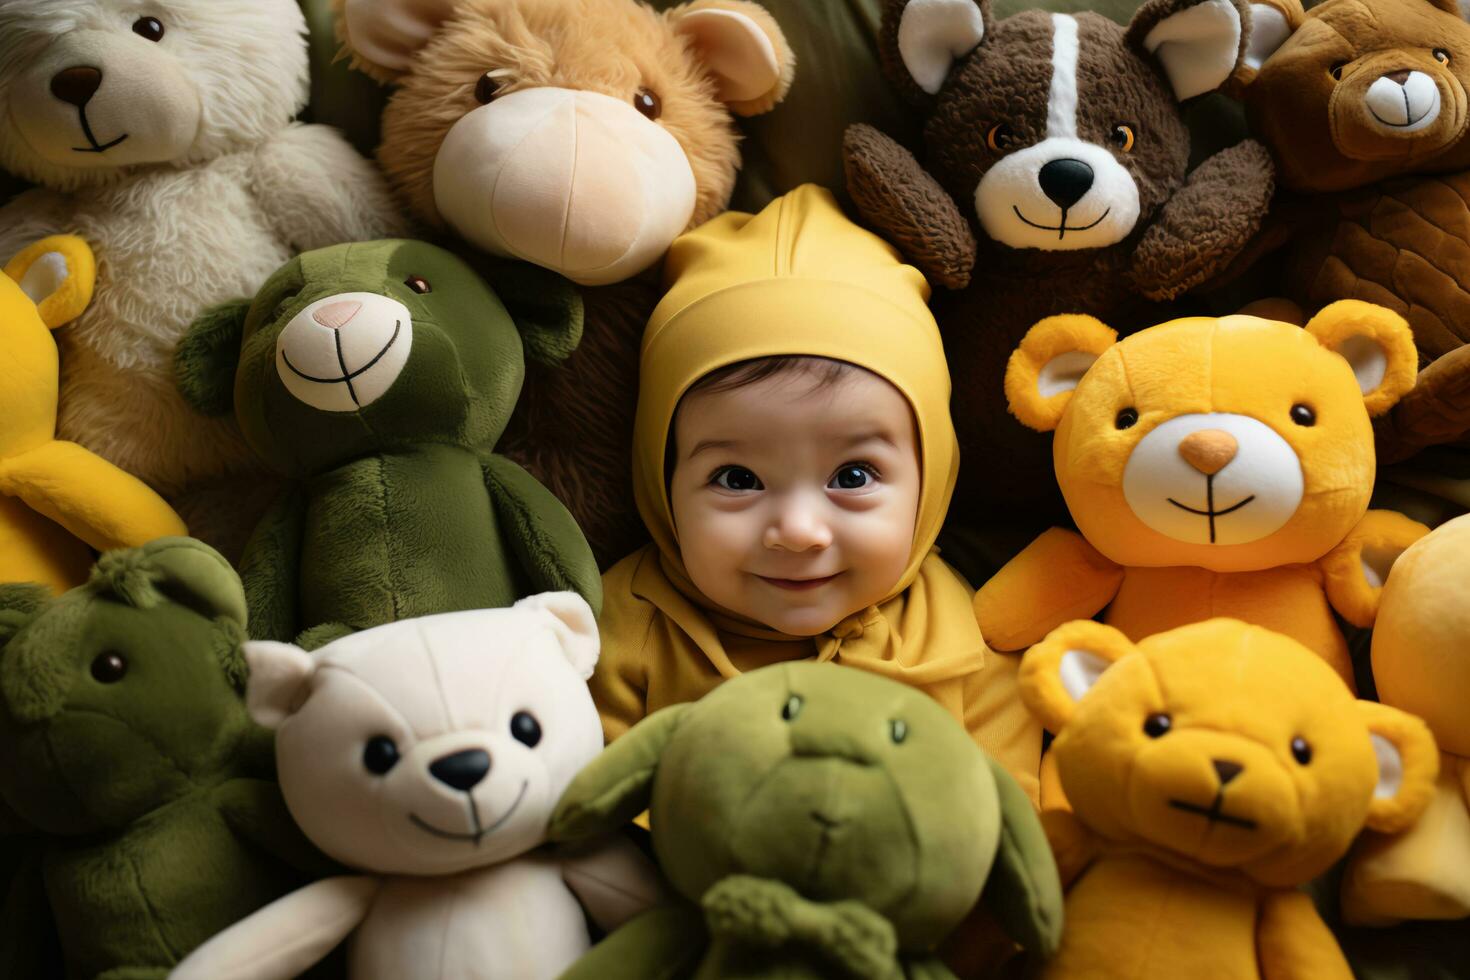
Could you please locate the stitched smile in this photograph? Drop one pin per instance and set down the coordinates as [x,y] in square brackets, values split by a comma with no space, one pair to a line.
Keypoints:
[94,146]
[1062,227]
[347,376]
[1212,812]
[1210,510]
[480,832]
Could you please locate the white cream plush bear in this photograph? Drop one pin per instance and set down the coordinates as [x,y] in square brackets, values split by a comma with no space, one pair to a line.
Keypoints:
[430,753]
[162,133]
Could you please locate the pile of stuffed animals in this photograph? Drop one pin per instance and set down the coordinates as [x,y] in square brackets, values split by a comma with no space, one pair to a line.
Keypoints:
[320,474]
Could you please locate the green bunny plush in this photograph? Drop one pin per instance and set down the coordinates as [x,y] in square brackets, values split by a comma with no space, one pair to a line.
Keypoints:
[125,745]
[378,377]
[820,821]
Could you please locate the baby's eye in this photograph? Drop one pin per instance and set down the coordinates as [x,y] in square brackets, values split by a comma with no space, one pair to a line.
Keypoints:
[853,476]
[736,479]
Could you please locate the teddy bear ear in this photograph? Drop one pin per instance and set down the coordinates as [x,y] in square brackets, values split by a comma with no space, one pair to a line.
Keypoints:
[1408,765]
[182,570]
[1057,672]
[546,307]
[1376,342]
[1198,43]
[58,274]
[920,41]
[742,48]
[382,36]
[19,603]
[1273,22]
[1047,367]
[575,625]
[280,676]
[207,356]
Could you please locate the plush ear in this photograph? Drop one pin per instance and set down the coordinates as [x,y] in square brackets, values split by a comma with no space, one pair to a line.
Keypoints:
[920,40]
[742,48]
[1376,342]
[382,36]
[1023,891]
[19,603]
[1408,765]
[181,570]
[1273,22]
[617,785]
[1057,672]
[58,274]
[547,308]
[575,625]
[1198,43]
[280,675]
[207,357]
[1047,367]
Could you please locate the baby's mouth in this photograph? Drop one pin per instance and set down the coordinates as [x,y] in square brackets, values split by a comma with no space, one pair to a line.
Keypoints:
[798,584]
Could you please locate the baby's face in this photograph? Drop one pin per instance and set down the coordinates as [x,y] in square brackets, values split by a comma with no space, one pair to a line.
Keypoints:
[796,508]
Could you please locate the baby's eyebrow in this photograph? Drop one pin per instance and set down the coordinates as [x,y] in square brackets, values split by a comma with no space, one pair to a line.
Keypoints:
[874,435]
[705,445]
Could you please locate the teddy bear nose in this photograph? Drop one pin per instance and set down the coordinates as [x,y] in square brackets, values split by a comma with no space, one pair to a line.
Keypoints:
[1208,450]
[462,770]
[76,86]
[335,316]
[1226,769]
[1400,76]
[1065,181]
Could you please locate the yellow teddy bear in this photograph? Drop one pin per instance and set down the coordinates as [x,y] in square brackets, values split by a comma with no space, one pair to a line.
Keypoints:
[58,502]
[1421,663]
[1215,467]
[1212,769]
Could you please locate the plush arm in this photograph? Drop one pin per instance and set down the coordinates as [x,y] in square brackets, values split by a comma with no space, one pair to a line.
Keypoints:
[543,535]
[270,570]
[287,937]
[1436,411]
[1059,577]
[1293,943]
[613,879]
[1354,571]
[1206,223]
[902,202]
[94,500]
[664,943]
[255,810]
[1072,844]
[316,190]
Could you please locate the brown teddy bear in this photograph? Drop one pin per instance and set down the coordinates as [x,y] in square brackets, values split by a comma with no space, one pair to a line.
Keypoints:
[582,136]
[1054,181]
[1363,105]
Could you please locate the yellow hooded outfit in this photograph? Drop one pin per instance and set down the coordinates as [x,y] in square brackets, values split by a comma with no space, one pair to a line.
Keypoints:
[799,279]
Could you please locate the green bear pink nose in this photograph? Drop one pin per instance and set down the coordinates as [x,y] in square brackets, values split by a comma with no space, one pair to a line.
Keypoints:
[335,316]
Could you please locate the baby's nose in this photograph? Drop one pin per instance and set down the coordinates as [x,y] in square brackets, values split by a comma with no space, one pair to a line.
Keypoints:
[798,528]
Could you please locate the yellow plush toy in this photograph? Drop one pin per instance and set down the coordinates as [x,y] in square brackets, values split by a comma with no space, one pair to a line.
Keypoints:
[58,501]
[1215,467]
[1421,663]
[1212,770]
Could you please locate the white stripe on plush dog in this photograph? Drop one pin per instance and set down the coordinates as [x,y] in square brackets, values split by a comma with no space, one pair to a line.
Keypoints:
[1061,107]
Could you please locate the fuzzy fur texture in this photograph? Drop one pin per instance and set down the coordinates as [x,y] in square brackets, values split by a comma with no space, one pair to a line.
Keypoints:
[176,236]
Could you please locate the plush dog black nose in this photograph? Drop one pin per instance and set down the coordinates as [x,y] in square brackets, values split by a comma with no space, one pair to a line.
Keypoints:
[1065,181]
[461,770]
[1227,770]
[76,86]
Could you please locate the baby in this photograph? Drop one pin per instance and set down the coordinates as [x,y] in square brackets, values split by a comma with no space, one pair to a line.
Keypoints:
[793,459]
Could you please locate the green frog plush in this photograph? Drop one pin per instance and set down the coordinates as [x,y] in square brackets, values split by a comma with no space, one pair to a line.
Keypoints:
[819,821]
[377,377]
[126,748]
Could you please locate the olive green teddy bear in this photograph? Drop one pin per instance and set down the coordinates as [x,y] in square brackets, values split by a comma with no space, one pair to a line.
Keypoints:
[378,376]
[126,748]
[820,821]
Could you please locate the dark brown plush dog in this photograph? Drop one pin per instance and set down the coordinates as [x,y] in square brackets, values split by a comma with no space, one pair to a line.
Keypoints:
[1054,181]
[1363,105]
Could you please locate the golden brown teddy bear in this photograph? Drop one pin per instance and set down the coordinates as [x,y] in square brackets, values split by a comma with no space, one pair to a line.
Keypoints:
[582,136]
[1215,467]
[1212,769]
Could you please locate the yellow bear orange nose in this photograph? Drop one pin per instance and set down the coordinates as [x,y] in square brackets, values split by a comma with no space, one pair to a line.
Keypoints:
[1208,450]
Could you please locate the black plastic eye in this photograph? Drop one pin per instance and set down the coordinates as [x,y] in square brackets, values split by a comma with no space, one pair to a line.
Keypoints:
[418,284]
[148,28]
[1336,71]
[109,668]
[1122,137]
[1442,56]
[1000,138]
[380,754]
[898,730]
[792,707]
[646,102]
[1303,416]
[1126,419]
[1301,750]
[1157,725]
[486,89]
[524,728]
